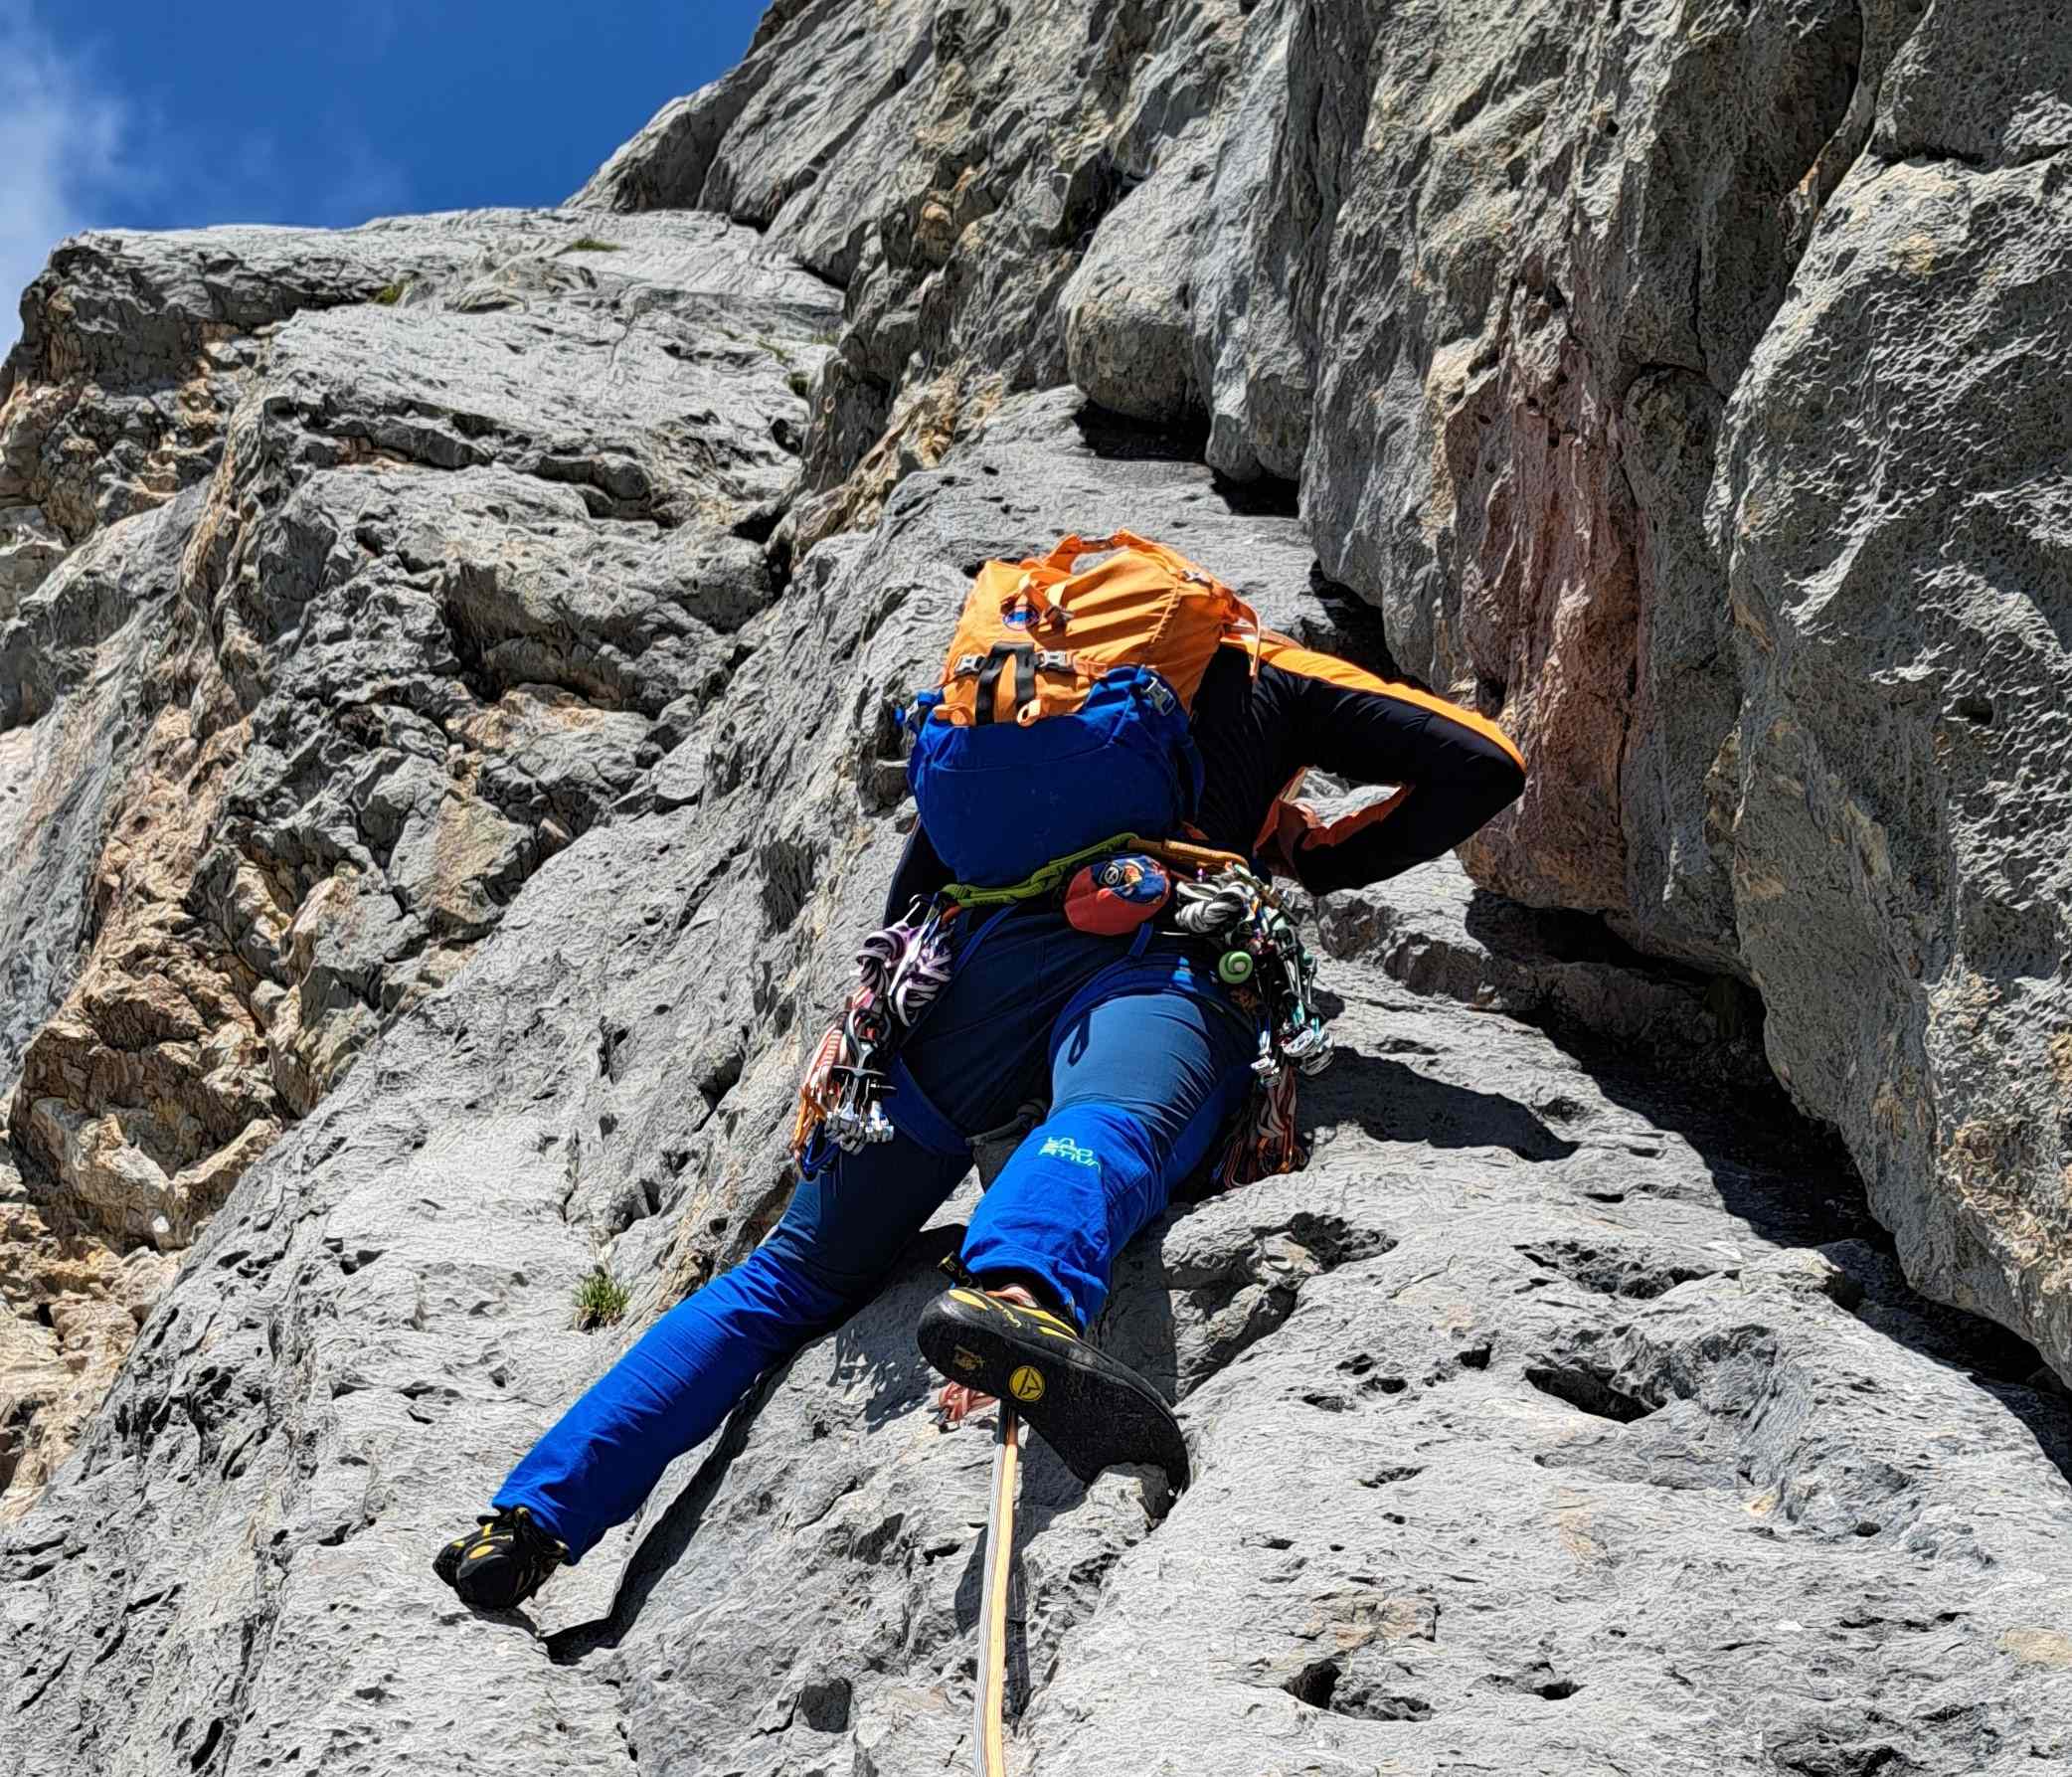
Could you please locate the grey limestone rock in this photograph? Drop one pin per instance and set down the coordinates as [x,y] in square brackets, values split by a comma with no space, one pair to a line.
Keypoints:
[73,658]
[1597,342]
[948,161]
[1687,392]
[1893,510]
[1557,1416]
[29,549]
[446,765]
[290,740]
[1437,933]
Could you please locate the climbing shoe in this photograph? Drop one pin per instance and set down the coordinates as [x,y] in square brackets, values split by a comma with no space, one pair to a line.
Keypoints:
[1092,1410]
[500,1563]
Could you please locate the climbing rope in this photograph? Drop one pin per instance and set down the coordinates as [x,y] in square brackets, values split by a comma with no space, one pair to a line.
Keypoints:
[991,1704]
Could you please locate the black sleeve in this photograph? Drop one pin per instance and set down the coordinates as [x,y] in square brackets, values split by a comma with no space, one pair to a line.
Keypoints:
[1452,771]
[920,872]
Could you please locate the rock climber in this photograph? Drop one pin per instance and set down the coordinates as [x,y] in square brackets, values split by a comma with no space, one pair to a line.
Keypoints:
[1142,1053]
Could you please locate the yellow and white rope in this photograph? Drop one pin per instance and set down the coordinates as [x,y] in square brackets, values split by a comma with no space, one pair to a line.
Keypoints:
[990,1718]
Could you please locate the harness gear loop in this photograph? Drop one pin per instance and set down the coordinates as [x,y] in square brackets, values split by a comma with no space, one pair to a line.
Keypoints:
[900,969]
[1262,950]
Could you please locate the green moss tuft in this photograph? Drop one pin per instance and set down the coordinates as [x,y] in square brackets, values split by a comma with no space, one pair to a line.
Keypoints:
[391,293]
[601,1300]
[591,243]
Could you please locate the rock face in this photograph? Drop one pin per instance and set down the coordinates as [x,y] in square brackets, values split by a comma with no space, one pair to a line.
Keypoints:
[1533,1346]
[283,745]
[73,1303]
[1683,382]
[445,764]
[1897,521]
[946,162]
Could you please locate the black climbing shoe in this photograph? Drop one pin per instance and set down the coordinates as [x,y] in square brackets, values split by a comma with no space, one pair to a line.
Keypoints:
[1092,1410]
[501,1563]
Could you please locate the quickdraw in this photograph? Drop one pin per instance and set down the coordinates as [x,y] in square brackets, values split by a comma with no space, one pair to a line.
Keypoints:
[900,969]
[1262,953]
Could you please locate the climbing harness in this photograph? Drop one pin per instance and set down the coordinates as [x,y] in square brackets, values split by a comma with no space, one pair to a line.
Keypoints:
[1044,880]
[989,1706]
[1213,895]
[1217,896]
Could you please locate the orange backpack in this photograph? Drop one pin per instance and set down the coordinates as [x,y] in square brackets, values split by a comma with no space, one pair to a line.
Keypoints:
[1060,718]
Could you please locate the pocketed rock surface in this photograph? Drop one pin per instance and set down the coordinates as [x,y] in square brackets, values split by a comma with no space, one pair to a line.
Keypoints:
[446,763]
[1683,381]
[1551,1418]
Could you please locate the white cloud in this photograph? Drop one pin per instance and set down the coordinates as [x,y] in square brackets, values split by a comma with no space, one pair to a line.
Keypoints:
[61,134]
[77,152]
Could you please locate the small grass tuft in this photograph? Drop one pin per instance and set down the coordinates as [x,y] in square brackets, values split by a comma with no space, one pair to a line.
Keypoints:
[591,243]
[391,293]
[799,384]
[601,1300]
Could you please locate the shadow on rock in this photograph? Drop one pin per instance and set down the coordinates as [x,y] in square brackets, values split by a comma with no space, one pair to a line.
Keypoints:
[1994,1361]
[1792,1182]
[1115,437]
[876,1343]
[1393,1102]
[1787,1177]
[663,1546]
[1136,1325]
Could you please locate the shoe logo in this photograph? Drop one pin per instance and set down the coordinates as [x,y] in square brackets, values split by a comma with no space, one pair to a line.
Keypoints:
[1064,1148]
[1026,1384]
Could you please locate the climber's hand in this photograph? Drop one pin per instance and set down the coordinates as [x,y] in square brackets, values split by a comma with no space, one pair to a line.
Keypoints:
[958,1402]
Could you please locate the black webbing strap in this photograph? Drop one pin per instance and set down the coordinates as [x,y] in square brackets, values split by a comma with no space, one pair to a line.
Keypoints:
[988,684]
[1023,654]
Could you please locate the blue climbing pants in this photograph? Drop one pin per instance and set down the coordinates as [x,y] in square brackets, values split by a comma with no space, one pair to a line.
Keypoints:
[1145,1060]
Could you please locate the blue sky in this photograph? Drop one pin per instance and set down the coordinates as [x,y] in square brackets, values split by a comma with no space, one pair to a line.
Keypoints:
[182,113]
